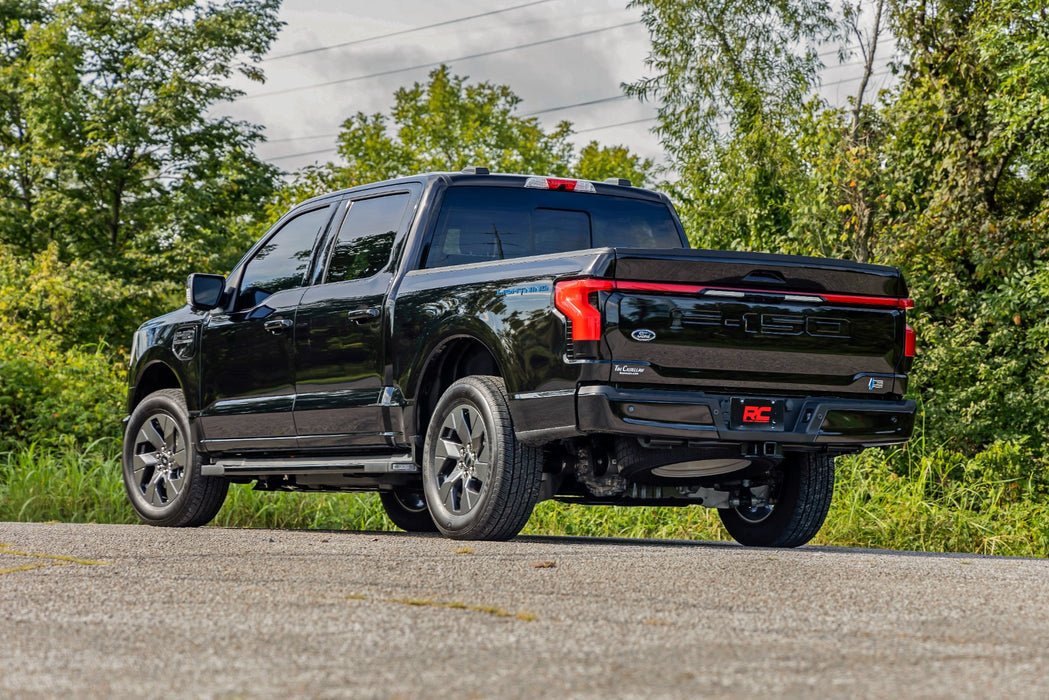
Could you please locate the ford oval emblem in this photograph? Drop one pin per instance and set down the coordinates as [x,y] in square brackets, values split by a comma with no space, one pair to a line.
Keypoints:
[643,335]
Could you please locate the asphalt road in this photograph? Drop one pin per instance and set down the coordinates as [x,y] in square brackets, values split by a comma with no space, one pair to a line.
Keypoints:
[134,611]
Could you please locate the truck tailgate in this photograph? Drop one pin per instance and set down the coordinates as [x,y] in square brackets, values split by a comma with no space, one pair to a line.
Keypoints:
[743,321]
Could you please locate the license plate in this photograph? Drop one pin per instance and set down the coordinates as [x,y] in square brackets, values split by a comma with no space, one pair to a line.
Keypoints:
[757,414]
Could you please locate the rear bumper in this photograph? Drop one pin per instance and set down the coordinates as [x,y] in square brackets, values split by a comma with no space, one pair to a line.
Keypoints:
[833,423]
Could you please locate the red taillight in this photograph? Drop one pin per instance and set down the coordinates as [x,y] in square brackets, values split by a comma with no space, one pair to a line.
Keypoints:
[910,343]
[573,300]
[857,300]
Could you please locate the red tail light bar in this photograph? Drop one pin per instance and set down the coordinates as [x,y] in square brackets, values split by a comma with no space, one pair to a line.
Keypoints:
[572,298]
[729,292]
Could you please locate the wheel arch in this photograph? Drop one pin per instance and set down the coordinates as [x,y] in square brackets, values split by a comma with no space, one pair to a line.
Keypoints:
[454,358]
[155,376]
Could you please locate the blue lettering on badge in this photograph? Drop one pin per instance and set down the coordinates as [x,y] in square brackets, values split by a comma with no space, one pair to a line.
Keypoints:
[521,291]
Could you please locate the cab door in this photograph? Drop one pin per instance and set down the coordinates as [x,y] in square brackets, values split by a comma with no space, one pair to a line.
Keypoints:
[247,371]
[342,327]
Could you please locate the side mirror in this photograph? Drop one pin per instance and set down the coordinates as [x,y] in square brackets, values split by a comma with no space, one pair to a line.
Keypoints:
[204,291]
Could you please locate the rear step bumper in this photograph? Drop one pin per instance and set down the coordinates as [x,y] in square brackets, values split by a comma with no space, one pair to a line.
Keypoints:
[849,424]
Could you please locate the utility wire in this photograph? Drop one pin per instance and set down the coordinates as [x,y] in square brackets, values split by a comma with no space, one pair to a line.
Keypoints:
[402,32]
[587,103]
[562,108]
[580,131]
[611,126]
[434,64]
[307,153]
[547,110]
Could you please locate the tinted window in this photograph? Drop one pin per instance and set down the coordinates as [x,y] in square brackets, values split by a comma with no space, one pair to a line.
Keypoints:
[365,238]
[478,224]
[281,263]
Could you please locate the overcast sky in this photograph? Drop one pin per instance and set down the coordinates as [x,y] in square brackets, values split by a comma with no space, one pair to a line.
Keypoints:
[587,49]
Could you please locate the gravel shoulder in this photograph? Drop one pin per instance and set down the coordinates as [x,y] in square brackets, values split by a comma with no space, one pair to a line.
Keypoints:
[135,611]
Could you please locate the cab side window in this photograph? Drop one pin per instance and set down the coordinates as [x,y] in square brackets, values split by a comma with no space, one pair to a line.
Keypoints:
[365,238]
[281,263]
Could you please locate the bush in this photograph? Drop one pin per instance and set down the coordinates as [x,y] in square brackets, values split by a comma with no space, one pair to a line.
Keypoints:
[75,301]
[51,395]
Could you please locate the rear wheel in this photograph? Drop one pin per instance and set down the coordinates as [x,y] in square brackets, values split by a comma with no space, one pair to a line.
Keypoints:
[407,509]
[480,482]
[801,506]
[161,467]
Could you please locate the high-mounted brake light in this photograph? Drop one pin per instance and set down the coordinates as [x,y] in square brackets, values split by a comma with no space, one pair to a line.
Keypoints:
[572,298]
[910,343]
[556,183]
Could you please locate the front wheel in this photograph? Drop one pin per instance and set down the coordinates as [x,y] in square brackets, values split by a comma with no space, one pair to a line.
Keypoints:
[801,506]
[161,467]
[480,482]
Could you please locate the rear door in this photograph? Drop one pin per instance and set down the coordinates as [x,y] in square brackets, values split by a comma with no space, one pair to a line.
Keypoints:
[342,326]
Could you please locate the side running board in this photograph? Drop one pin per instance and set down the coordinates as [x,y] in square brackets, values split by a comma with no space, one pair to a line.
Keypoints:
[355,466]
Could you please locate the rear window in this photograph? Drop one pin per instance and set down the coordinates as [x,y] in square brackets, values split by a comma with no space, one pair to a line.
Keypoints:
[478,224]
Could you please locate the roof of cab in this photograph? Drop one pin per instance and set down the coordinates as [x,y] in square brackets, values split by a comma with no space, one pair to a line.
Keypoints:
[476,176]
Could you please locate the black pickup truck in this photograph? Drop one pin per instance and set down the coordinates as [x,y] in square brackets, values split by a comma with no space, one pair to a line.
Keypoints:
[469,344]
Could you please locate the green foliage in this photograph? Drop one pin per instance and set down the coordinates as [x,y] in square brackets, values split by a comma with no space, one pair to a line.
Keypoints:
[448,124]
[74,303]
[74,485]
[57,396]
[728,78]
[600,163]
[109,150]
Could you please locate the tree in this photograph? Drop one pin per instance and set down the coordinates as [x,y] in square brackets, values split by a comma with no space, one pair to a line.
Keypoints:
[446,124]
[729,77]
[110,150]
[598,162]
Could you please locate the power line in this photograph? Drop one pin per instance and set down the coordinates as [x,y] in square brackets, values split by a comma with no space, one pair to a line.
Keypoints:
[559,108]
[588,103]
[434,64]
[301,138]
[307,153]
[581,131]
[874,74]
[611,126]
[547,110]
[402,32]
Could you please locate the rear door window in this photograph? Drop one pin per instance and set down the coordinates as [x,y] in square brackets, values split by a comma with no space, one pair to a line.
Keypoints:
[480,224]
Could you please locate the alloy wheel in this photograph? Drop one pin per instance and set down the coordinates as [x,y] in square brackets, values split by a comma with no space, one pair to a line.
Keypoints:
[463,457]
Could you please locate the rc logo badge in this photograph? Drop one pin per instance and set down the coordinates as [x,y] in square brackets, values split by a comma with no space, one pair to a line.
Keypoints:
[643,335]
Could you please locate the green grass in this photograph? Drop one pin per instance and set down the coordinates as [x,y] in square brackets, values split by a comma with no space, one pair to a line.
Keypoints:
[927,507]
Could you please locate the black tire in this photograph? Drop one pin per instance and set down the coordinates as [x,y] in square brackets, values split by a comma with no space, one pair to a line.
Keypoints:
[480,482]
[801,506]
[407,509]
[161,466]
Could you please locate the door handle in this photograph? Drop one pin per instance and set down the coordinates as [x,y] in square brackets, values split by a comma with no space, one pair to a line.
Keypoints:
[276,326]
[362,315]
